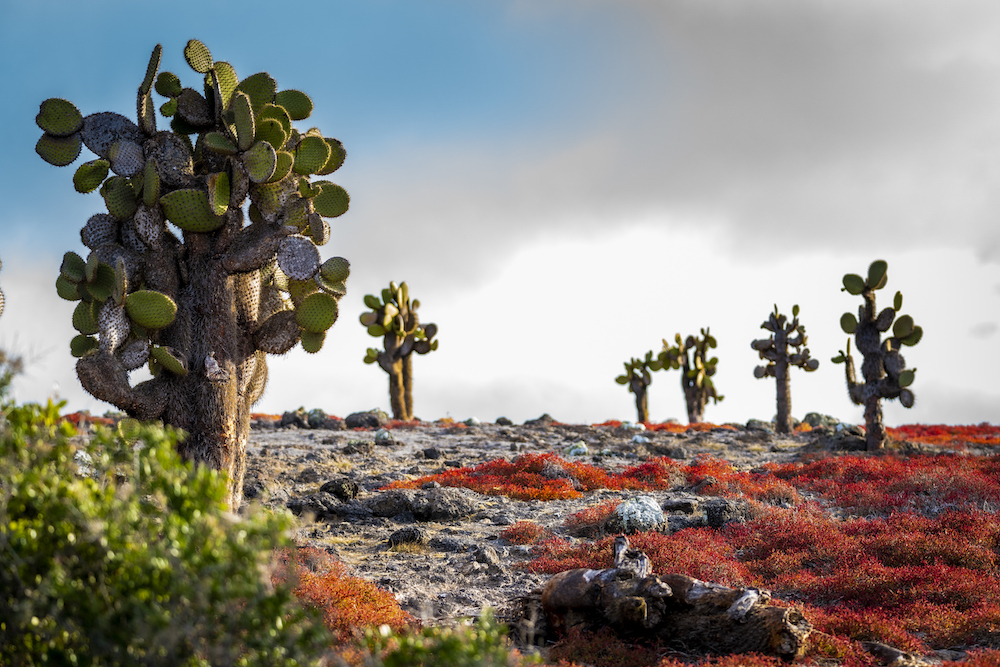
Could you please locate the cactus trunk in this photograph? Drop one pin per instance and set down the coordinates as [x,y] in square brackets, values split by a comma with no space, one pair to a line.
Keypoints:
[783,420]
[397,390]
[696,401]
[642,405]
[408,386]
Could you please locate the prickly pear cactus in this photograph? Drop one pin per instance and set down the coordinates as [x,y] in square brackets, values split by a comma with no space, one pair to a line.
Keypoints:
[775,350]
[884,369]
[637,377]
[691,356]
[393,317]
[202,300]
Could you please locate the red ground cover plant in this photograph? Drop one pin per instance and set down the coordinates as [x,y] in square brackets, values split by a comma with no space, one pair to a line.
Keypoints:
[524,532]
[588,521]
[528,477]
[940,434]
[884,484]
[346,604]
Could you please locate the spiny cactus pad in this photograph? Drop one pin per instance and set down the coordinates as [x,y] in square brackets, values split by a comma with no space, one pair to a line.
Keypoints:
[189,210]
[150,309]
[59,117]
[317,312]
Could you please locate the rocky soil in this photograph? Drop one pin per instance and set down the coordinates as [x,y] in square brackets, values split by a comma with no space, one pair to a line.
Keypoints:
[439,550]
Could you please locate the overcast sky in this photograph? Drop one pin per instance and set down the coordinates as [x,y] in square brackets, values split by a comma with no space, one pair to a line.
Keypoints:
[564,183]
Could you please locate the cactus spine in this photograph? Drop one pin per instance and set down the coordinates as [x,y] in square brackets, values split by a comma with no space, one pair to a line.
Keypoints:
[691,356]
[884,369]
[637,377]
[784,334]
[393,317]
[205,309]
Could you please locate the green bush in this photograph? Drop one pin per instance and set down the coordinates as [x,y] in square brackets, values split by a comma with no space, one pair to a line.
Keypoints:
[484,644]
[118,554]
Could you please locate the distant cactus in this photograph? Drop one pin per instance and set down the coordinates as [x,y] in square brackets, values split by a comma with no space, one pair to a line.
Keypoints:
[1,295]
[637,378]
[884,369]
[394,318]
[203,312]
[784,334]
[691,355]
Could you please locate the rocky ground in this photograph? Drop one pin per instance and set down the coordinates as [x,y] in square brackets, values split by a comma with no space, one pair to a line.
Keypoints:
[439,550]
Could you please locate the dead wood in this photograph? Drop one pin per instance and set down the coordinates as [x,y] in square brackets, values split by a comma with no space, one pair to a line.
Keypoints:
[676,609]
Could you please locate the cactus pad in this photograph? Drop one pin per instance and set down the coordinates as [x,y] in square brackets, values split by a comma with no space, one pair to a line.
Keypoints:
[151,69]
[226,76]
[189,210]
[260,88]
[119,197]
[218,192]
[100,130]
[317,312]
[243,118]
[66,289]
[194,109]
[298,257]
[151,310]
[312,342]
[219,143]
[261,162]
[90,175]
[58,151]
[311,155]
[81,345]
[84,319]
[168,359]
[297,103]
[337,157]
[99,230]
[332,201]
[270,130]
[198,56]
[168,85]
[336,269]
[126,158]
[73,267]
[283,165]
[59,118]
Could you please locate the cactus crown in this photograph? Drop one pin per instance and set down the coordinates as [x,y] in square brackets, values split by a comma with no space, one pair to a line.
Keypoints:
[244,144]
[394,316]
[774,349]
[691,354]
[637,370]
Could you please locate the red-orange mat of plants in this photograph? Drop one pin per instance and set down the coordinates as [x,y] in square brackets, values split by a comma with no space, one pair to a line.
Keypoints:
[900,550]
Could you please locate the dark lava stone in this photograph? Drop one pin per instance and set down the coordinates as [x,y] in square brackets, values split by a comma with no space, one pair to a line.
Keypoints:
[343,489]
[408,535]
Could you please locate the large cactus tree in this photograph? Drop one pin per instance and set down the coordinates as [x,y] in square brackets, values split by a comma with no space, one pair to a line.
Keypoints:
[638,378]
[883,369]
[394,319]
[775,350]
[202,310]
[691,356]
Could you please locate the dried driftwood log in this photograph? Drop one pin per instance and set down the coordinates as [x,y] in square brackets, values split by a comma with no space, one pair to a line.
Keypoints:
[675,608]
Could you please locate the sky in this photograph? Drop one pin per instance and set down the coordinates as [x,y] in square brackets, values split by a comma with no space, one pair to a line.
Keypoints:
[565,183]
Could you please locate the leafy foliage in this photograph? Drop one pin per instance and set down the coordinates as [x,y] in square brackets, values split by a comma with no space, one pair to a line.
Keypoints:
[135,562]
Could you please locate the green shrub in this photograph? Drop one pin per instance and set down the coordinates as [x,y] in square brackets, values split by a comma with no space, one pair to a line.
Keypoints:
[484,644]
[112,554]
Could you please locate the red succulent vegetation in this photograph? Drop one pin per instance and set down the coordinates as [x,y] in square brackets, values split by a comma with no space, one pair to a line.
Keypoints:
[346,604]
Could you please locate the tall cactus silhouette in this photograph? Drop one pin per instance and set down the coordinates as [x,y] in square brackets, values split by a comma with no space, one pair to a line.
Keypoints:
[637,377]
[784,334]
[884,369]
[394,319]
[691,356]
[1,294]
[205,309]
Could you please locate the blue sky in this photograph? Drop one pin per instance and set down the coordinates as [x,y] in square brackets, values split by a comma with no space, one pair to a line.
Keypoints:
[563,183]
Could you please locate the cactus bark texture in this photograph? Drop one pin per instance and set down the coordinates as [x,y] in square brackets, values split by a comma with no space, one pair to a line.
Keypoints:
[393,317]
[691,356]
[637,377]
[202,310]
[883,369]
[784,334]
